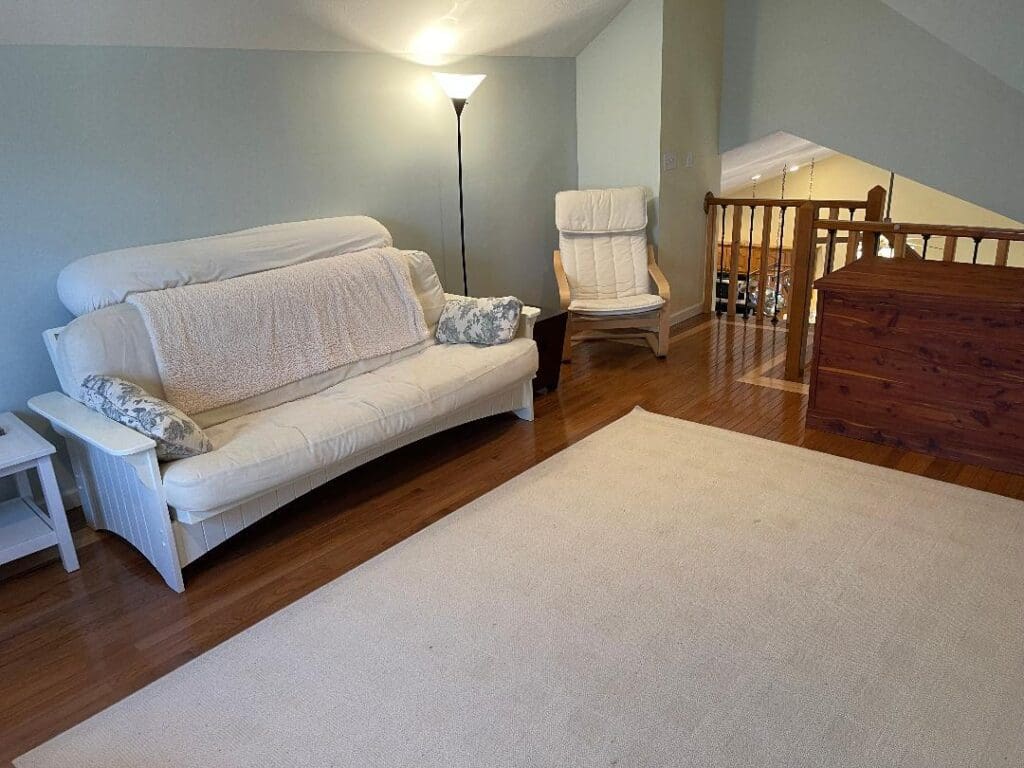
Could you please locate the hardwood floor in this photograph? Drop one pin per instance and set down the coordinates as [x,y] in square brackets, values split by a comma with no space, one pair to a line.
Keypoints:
[71,645]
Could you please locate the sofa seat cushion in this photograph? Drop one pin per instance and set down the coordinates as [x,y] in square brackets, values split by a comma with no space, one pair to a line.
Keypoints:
[260,451]
[626,305]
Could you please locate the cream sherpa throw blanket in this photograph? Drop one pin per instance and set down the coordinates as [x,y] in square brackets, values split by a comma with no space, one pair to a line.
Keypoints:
[222,342]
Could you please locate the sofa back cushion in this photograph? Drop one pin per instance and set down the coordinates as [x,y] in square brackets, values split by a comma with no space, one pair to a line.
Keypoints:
[113,341]
[103,279]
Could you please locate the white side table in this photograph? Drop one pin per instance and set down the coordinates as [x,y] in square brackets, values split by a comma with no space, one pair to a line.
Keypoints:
[24,527]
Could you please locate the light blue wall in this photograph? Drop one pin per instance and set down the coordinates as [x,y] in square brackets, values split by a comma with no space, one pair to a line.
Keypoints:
[866,81]
[692,74]
[986,32]
[618,104]
[111,147]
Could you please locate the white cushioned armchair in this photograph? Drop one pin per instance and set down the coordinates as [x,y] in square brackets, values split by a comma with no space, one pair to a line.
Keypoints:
[608,277]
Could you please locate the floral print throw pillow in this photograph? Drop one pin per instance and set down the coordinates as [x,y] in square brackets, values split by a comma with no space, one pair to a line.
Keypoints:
[175,434]
[479,321]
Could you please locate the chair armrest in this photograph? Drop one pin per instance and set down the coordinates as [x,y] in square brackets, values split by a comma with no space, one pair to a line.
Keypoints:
[659,280]
[70,417]
[564,294]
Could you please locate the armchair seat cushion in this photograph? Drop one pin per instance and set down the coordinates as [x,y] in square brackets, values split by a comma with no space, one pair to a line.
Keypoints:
[260,451]
[625,305]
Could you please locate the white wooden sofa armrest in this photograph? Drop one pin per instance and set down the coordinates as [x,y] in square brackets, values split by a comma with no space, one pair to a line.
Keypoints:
[526,320]
[70,416]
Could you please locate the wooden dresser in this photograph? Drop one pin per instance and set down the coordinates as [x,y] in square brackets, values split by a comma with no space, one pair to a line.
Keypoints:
[927,356]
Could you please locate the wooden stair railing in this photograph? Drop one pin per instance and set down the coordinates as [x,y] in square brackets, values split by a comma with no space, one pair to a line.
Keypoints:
[898,232]
[773,255]
[869,233]
[784,272]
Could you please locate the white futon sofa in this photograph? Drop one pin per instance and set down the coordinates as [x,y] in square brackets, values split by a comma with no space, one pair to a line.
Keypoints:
[268,449]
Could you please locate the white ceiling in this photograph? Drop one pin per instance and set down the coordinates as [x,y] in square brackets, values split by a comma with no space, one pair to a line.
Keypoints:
[496,27]
[767,157]
[988,32]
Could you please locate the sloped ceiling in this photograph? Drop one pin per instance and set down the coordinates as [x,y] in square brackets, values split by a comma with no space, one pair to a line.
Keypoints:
[988,32]
[466,27]
[767,157]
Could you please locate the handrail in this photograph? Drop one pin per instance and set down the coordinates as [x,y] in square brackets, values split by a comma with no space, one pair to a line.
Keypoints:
[936,230]
[781,202]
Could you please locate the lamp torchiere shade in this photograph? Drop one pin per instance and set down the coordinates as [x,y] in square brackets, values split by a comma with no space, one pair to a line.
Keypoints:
[459,88]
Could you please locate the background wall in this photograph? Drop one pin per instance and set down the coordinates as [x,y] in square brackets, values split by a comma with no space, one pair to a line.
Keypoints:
[868,82]
[618,104]
[111,147]
[692,74]
[986,32]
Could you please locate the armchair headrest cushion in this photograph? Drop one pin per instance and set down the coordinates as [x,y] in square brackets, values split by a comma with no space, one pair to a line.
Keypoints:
[601,211]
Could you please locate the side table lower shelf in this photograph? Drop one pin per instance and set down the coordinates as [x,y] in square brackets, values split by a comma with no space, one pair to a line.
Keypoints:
[24,529]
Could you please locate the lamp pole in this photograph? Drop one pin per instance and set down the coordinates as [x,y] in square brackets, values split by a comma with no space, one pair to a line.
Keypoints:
[459,88]
[459,105]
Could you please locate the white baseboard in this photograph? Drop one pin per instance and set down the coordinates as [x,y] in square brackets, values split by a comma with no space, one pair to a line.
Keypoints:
[686,313]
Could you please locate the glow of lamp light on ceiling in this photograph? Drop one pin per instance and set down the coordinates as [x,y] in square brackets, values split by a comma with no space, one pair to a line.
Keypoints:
[433,44]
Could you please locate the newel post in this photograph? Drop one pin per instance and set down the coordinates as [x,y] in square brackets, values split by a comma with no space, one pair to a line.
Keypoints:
[873,212]
[709,253]
[799,309]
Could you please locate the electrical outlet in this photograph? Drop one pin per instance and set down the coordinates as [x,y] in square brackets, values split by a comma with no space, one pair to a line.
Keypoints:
[668,161]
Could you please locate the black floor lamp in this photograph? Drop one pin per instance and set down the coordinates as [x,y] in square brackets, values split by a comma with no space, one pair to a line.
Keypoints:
[459,88]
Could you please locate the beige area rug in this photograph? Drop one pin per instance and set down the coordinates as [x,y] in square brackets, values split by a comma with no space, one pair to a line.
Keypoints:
[659,594]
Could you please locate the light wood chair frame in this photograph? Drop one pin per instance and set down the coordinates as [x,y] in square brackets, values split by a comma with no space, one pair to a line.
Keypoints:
[651,327]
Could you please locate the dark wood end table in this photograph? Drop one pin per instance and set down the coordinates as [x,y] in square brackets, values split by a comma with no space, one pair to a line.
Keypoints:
[549,333]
